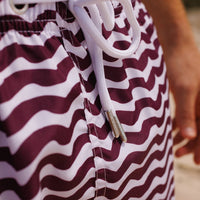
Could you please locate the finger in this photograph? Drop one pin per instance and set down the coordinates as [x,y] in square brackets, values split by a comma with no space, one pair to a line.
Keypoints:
[197,153]
[185,112]
[178,138]
[198,106]
[197,148]
[186,149]
[174,124]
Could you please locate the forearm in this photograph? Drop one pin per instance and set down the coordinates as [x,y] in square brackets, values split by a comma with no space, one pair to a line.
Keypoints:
[171,23]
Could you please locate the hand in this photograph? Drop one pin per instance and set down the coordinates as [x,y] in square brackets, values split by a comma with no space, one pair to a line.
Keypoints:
[183,65]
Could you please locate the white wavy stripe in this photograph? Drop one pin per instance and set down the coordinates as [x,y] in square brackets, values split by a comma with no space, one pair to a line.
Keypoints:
[13,36]
[21,64]
[69,174]
[118,63]
[141,92]
[73,27]
[156,182]
[171,191]
[159,180]
[145,26]
[86,73]
[78,51]
[166,192]
[159,80]
[154,164]
[145,114]
[90,174]
[125,84]
[134,73]
[3,138]
[33,90]
[98,120]
[117,36]
[9,195]
[23,176]
[143,45]
[37,122]
[127,149]
[151,65]
[89,193]
[37,10]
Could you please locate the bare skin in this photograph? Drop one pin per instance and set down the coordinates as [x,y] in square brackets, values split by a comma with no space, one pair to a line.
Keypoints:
[183,67]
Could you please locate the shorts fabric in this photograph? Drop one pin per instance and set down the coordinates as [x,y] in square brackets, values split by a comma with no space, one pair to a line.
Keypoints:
[55,141]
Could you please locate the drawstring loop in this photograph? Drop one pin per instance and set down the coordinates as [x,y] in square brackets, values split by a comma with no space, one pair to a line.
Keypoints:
[76,6]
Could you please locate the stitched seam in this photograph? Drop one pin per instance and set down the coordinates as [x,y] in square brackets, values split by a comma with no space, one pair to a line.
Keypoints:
[21,20]
[85,101]
[24,31]
[89,130]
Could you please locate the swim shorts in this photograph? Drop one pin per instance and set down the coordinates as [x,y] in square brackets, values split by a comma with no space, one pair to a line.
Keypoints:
[55,140]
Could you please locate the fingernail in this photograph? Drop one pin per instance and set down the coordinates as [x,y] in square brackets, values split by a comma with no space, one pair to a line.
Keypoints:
[189,132]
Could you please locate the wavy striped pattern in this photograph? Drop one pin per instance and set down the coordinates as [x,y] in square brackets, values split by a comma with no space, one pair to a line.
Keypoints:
[55,143]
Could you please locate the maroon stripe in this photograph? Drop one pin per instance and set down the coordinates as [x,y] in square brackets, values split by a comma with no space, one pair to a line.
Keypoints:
[137,157]
[133,137]
[64,12]
[125,95]
[76,39]
[138,191]
[42,137]
[29,190]
[32,53]
[57,184]
[81,63]
[122,30]
[100,132]
[133,115]
[29,151]
[146,126]
[141,19]
[90,183]
[15,22]
[18,118]
[143,60]
[43,77]
[161,188]
[90,82]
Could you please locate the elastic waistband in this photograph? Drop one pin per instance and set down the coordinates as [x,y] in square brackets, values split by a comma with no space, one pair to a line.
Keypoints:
[37,16]
[33,21]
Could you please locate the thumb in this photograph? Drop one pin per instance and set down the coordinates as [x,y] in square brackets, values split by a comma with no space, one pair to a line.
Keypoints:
[185,114]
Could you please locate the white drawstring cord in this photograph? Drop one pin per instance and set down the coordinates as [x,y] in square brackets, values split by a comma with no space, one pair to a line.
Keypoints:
[97,62]
[101,11]
[76,6]
[91,27]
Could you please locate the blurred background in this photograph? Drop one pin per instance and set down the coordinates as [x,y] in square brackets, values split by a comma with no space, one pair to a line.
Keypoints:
[187,174]
[191,3]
